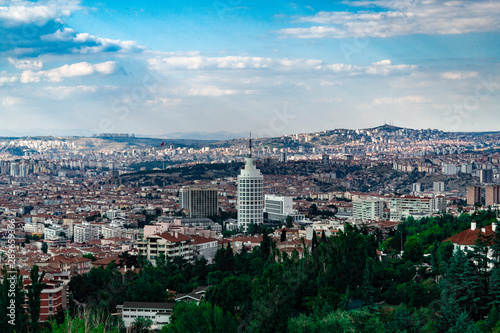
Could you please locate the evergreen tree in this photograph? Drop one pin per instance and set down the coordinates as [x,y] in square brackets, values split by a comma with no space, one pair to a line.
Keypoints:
[34,301]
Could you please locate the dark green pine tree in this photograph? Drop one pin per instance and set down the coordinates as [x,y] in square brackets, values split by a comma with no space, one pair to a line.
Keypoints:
[34,301]
[367,288]
[495,286]
[7,295]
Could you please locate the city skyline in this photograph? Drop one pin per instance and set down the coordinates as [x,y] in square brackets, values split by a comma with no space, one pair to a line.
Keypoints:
[84,67]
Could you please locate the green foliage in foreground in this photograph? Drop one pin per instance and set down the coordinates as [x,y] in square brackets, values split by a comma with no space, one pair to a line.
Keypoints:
[338,284]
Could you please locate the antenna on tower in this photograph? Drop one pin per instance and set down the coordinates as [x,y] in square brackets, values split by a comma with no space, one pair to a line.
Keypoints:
[250,146]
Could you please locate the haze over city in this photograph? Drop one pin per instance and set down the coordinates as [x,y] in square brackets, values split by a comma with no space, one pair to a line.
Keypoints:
[153,68]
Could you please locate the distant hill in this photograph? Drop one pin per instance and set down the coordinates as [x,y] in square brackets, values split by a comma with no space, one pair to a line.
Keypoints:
[217,136]
[386,127]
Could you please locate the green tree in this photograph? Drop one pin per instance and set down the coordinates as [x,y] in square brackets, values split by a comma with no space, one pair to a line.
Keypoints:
[34,301]
[205,317]
[141,325]
[45,247]
[289,222]
[11,302]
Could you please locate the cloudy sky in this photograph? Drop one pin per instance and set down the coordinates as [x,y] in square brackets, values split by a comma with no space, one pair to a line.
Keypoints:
[70,67]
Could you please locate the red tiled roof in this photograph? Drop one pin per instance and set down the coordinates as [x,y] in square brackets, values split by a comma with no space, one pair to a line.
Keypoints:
[468,237]
[171,237]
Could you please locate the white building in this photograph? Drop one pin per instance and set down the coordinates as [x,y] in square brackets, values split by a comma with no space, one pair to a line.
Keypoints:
[250,194]
[405,206]
[278,208]
[159,313]
[450,169]
[85,232]
[369,209]
[54,232]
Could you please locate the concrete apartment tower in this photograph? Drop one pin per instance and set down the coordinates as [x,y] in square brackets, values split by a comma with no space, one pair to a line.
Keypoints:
[250,193]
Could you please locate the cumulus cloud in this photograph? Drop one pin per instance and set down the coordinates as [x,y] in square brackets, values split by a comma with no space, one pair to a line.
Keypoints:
[31,29]
[5,79]
[26,64]
[229,62]
[164,64]
[395,18]
[73,70]
[27,12]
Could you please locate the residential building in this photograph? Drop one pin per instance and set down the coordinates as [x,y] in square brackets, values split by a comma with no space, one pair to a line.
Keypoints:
[466,239]
[368,209]
[486,176]
[205,247]
[250,194]
[405,206]
[492,195]
[199,200]
[171,244]
[473,195]
[450,169]
[438,187]
[85,232]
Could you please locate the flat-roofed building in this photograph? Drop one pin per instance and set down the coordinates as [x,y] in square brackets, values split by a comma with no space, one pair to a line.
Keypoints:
[473,195]
[369,209]
[199,200]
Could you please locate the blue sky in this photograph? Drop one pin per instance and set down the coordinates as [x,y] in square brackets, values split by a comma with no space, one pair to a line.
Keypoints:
[157,67]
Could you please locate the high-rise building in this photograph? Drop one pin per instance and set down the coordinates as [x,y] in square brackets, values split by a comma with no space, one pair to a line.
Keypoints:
[85,232]
[199,200]
[492,195]
[283,157]
[417,188]
[450,169]
[367,209]
[466,168]
[486,176]
[473,195]
[14,169]
[438,186]
[325,159]
[250,194]
[23,170]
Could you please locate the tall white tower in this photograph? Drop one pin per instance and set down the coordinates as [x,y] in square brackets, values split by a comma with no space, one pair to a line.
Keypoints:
[250,194]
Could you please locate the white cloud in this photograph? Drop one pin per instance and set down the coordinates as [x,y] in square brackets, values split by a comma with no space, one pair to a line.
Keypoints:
[400,100]
[229,62]
[26,64]
[402,18]
[10,101]
[7,79]
[62,92]
[163,101]
[165,64]
[64,35]
[210,91]
[27,12]
[458,75]
[73,70]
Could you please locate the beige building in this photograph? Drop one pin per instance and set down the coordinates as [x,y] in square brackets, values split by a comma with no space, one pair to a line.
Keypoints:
[199,200]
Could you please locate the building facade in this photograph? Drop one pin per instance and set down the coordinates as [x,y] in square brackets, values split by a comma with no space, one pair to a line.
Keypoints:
[250,194]
[405,206]
[492,195]
[199,200]
[368,209]
[473,195]
[170,244]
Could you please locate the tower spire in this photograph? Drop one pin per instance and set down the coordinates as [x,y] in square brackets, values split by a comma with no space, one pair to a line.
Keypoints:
[250,145]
